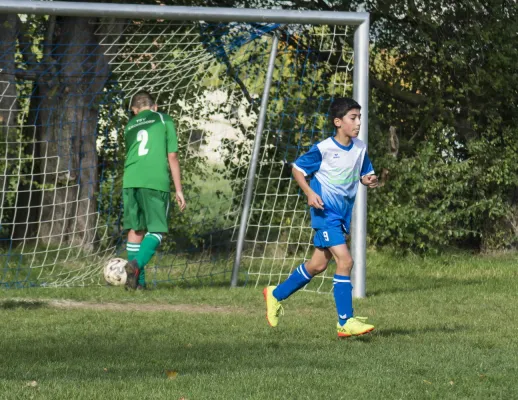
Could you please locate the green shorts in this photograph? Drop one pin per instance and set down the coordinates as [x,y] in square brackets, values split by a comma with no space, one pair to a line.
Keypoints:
[146,209]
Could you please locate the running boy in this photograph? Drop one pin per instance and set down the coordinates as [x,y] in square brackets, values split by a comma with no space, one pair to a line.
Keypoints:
[337,165]
[151,152]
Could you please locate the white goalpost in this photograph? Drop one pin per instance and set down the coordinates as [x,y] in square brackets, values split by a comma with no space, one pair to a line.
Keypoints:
[249,91]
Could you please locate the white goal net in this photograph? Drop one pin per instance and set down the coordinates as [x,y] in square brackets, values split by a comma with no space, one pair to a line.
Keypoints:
[64,155]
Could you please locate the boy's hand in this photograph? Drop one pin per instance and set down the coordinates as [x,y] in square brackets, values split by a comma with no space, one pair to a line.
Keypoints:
[314,200]
[370,181]
[180,200]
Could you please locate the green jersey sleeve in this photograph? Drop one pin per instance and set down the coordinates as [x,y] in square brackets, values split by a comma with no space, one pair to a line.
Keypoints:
[172,139]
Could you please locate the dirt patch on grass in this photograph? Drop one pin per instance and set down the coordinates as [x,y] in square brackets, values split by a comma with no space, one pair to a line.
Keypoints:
[187,308]
[147,307]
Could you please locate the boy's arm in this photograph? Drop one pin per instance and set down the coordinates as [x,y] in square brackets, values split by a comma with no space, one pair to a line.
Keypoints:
[314,199]
[368,177]
[172,158]
[174,165]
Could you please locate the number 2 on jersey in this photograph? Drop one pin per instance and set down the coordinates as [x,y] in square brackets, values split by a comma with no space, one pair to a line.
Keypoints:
[142,137]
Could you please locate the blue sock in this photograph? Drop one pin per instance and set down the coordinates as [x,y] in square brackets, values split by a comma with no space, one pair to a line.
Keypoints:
[298,279]
[343,292]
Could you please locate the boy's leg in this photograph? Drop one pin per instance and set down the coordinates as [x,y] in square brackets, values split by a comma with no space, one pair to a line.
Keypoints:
[133,245]
[147,251]
[342,287]
[342,290]
[155,206]
[134,221]
[303,274]
[298,279]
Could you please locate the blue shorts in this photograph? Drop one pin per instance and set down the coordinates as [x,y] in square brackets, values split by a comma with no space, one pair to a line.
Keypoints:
[329,237]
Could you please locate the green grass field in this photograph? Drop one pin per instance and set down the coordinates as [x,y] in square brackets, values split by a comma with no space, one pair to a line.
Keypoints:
[446,329]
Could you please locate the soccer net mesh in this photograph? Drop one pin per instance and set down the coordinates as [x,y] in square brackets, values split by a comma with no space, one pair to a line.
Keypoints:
[66,84]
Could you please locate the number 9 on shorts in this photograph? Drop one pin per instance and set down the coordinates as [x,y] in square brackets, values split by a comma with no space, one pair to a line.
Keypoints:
[329,237]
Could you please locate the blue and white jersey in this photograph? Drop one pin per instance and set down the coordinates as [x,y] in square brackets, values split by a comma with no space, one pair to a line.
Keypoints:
[336,170]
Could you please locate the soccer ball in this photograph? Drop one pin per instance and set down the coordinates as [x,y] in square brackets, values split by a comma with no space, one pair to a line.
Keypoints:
[115,272]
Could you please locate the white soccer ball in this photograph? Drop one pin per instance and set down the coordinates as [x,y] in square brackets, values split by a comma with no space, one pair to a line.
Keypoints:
[115,272]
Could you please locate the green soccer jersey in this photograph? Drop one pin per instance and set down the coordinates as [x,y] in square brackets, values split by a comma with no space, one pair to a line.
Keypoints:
[149,137]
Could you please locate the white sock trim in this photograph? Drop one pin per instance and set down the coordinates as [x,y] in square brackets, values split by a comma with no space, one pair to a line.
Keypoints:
[157,235]
[301,271]
[341,281]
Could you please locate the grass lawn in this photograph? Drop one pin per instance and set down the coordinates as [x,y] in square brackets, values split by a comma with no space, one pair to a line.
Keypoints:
[446,328]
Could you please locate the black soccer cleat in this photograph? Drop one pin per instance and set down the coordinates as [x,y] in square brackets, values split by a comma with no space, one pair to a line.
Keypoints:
[133,272]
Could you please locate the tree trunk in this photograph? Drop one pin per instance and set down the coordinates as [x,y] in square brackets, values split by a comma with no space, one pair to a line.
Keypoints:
[69,86]
[8,94]
[9,109]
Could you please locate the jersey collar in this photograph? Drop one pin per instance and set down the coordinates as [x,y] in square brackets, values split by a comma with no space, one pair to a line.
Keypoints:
[346,148]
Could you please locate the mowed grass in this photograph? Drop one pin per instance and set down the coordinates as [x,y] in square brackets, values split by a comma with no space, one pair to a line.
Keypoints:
[446,328]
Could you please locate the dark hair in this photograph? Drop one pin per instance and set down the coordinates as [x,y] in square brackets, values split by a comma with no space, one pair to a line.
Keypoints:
[341,106]
[142,99]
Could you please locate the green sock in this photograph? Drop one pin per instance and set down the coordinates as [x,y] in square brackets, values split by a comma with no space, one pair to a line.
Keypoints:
[132,249]
[147,251]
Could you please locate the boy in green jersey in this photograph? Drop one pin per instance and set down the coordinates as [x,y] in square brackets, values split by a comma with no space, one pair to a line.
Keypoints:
[151,155]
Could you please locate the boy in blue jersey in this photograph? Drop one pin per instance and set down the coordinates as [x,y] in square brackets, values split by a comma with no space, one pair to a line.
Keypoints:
[337,165]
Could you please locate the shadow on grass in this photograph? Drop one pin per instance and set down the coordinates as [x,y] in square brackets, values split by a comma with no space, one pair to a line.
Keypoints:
[99,357]
[23,304]
[387,333]
[103,355]
[192,284]
[414,284]
[419,331]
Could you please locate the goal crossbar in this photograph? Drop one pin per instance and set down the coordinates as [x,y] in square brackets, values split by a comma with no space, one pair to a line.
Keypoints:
[182,13]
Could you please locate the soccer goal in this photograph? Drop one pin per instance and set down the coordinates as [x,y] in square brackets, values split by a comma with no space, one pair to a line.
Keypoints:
[249,91]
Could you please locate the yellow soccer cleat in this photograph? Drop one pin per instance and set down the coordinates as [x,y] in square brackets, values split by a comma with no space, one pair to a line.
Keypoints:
[354,327]
[273,306]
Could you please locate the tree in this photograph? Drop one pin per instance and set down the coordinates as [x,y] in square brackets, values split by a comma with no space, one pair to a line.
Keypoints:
[9,106]
[68,71]
[444,78]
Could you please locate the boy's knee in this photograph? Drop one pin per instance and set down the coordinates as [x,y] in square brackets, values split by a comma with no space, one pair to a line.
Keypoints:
[316,268]
[345,266]
[321,268]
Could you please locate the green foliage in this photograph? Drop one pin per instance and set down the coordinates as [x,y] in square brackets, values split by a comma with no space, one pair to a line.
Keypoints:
[426,208]
[444,78]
